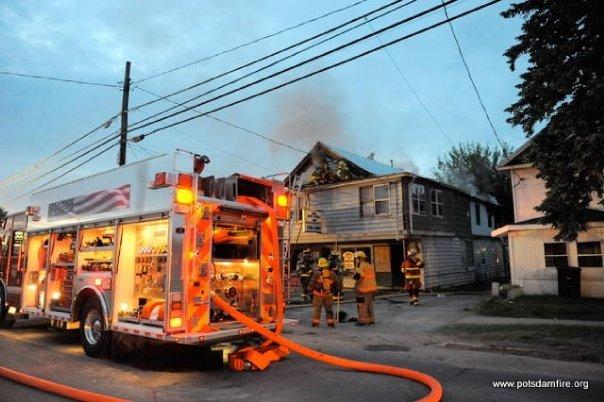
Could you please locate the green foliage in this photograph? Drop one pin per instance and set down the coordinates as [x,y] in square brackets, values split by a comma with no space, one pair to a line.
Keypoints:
[3,214]
[472,167]
[563,88]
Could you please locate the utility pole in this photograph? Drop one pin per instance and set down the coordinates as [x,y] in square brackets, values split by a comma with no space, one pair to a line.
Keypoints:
[124,128]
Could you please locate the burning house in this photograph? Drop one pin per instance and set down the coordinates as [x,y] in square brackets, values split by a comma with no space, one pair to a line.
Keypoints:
[346,202]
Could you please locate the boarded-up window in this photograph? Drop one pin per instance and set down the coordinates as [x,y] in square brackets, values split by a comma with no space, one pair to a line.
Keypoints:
[555,255]
[590,254]
[418,199]
[366,201]
[382,199]
[382,258]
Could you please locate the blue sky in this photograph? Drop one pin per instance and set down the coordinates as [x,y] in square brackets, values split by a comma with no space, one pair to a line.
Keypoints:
[363,106]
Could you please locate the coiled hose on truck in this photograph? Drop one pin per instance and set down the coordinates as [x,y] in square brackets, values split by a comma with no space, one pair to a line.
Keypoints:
[436,390]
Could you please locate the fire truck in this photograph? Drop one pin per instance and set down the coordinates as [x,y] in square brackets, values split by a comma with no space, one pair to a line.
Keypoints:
[141,249]
[12,236]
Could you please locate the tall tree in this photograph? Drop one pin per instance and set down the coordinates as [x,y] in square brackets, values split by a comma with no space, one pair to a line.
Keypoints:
[3,214]
[562,89]
[472,167]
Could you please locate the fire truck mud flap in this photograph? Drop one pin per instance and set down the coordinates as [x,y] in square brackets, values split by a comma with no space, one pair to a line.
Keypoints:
[436,391]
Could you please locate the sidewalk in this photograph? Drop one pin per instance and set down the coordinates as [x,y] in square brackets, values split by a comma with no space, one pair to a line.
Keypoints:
[487,320]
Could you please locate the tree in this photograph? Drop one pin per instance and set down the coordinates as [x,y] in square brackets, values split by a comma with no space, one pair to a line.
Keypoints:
[472,167]
[3,214]
[563,90]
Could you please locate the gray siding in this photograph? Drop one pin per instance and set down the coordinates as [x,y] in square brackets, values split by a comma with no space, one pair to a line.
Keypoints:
[444,262]
[456,219]
[342,220]
[488,260]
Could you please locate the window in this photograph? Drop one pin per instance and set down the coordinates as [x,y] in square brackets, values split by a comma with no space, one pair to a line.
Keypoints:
[366,201]
[477,213]
[436,199]
[418,199]
[469,253]
[555,255]
[381,196]
[490,219]
[590,254]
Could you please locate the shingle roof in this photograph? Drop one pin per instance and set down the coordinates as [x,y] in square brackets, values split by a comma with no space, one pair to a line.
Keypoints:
[373,167]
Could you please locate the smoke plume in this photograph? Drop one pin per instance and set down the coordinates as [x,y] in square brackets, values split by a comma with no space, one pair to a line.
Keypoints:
[308,114]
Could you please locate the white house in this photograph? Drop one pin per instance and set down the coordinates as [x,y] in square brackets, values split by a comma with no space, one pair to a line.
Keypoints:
[534,254]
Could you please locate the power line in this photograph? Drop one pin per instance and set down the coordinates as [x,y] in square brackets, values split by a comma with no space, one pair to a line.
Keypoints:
[463,59]
[357,56]
[210,145]
[238,127]
[69,162]
[365,53]
[42,162]
[274,53]
[69,171]
[99,84]
[411,88]
[268,56]
[278,60]
[252,41]
[282,71]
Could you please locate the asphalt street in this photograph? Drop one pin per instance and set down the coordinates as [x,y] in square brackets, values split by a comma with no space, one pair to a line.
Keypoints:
[402,336]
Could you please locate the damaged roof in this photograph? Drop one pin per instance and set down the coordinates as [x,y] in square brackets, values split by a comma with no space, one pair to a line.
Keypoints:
[369,165]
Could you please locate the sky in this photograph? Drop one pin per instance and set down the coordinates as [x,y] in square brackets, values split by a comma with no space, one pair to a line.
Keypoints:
[364,106]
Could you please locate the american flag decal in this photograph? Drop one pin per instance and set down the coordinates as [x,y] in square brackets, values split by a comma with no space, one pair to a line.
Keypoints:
[95,203]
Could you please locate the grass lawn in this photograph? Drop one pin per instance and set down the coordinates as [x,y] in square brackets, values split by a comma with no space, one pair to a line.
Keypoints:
[575,343]
[543,307]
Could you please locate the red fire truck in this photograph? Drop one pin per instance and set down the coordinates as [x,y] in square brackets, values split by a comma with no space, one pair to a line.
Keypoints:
[141,249]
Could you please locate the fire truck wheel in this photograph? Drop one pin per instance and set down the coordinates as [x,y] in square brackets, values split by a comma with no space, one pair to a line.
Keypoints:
[94,336]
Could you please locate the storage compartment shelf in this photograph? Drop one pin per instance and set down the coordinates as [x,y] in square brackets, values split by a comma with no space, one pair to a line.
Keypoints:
[91,249]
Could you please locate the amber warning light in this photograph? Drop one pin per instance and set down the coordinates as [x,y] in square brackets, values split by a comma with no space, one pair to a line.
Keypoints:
[282,200]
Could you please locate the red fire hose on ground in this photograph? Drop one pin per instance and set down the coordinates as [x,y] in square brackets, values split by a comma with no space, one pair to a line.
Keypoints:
[55,388]
[436,390]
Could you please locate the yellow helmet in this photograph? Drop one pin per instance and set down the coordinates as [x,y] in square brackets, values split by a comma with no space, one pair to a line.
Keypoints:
[360,254]
[322,263]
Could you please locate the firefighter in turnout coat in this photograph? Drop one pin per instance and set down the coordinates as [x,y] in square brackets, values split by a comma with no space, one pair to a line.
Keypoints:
[324,285]
[365,287]
[411,268]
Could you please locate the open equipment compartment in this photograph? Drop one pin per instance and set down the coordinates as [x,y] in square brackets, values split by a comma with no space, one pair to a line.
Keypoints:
[142,272]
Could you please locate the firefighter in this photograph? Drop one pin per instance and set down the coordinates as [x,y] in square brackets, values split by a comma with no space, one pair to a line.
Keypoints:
[365,288]
[305,268]
[324,284]
[411,268]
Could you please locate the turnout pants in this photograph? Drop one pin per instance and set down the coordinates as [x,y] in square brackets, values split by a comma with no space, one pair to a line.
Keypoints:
[365,307]
[413,287]
[318,302]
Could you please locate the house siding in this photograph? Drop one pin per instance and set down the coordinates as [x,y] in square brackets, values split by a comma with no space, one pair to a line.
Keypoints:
[342,219]
[455,220]
[528,192]
[444,262]
[527,260]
